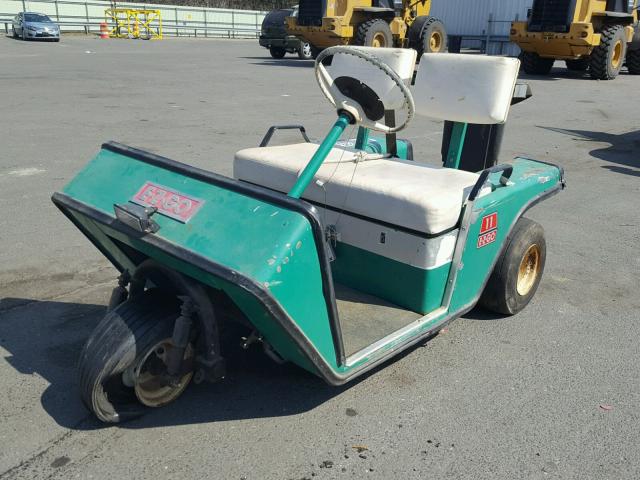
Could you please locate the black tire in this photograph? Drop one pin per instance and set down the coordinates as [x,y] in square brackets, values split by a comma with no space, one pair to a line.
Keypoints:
[433,38]
[579,65]
[315,51]
[305,52]
[374,33]
[123,337]
[633,62]
[15,34]
[501,293]
[608,57]
[277,52]
[534,64]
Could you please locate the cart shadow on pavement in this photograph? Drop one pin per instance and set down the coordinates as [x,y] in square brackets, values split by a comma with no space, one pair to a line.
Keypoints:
[44,339]
[623,148]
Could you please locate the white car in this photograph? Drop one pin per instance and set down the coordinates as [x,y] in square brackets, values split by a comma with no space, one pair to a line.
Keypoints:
[27,25]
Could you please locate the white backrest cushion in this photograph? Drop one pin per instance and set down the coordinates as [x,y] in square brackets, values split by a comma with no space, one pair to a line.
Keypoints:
[465,88]
[401,60]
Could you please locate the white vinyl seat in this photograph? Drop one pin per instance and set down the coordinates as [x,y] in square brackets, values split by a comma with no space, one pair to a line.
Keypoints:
[409,195]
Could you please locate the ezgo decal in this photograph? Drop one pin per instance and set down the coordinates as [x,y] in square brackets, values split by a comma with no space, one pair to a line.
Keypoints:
[488,230]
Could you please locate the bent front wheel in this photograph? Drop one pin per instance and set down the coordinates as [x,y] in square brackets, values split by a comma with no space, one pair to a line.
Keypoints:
[122,367]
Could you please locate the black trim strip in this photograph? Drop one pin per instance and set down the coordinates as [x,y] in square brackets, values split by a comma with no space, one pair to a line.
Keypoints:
[299,206]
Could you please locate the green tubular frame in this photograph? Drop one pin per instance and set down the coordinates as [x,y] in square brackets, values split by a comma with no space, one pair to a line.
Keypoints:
[456,146]
[319,157]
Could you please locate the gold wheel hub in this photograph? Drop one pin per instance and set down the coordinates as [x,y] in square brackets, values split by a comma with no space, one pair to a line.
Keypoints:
[616,58]
[435,42]
[379,40]
[529,270]
[150,385]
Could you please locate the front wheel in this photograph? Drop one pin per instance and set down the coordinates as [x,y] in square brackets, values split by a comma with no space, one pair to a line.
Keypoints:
[518,271]
[122,368]
[277,52]
[434,37]
[608,57]
[374,33]
[305,52]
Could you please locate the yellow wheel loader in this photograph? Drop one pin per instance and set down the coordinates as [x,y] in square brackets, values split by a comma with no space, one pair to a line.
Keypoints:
[594,35]
[371,23]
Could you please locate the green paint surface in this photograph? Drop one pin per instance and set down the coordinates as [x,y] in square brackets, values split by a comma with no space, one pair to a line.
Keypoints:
[268,243]
[404,285]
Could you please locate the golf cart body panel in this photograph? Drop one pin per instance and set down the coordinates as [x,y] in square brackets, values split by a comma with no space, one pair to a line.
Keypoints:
[274,267]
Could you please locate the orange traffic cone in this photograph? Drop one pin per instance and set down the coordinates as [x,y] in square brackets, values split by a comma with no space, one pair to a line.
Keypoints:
[104,30]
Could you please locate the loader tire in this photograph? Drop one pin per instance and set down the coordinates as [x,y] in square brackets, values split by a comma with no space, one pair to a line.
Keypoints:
[517,273]
[633,62]
[608,57]
[124,338]
[374,33]
[534,64]
[434,37]
[579,65]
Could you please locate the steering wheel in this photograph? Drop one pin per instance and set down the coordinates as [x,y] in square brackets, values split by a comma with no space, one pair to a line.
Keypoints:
[358,98]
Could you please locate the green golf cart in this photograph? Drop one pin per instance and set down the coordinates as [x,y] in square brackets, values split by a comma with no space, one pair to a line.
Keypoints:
[331,256]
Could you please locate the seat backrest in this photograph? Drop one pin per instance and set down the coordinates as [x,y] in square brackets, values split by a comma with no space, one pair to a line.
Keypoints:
[465,88]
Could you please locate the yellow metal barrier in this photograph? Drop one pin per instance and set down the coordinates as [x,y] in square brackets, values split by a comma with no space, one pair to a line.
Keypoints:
[131,23]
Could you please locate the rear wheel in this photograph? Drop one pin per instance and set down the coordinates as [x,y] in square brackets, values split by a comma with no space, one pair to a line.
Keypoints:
[15,34]
[374,33]
[534,64]
[434,37]
[277,52]
[315,51]
[122,368]
[608,57]
[516,275]
[304,52]
[633,61]
[579,65]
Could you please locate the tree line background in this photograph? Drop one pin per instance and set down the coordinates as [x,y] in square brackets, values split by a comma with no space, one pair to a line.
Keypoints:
[235,4]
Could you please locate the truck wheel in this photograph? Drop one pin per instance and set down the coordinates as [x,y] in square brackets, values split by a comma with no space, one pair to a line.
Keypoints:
[633,62]
[434,37]
[315,51]
[608,57]
[122,365]
[304,52]
[534,64]
[517,273]
[374,33]
[277,52]
[579,65]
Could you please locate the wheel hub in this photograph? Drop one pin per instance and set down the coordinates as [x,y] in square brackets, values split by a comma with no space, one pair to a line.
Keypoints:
[616,57]
[529,270]
[149,376]
[435,42]
[379,40]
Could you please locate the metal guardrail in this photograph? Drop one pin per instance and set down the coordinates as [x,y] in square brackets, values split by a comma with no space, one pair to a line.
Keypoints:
[175,26]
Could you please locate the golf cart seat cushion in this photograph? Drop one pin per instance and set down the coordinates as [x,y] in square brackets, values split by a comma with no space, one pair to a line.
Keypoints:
[465,88]
[414,196]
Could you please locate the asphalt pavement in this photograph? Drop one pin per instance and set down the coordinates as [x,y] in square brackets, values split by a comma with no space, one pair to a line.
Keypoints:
[553,392]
